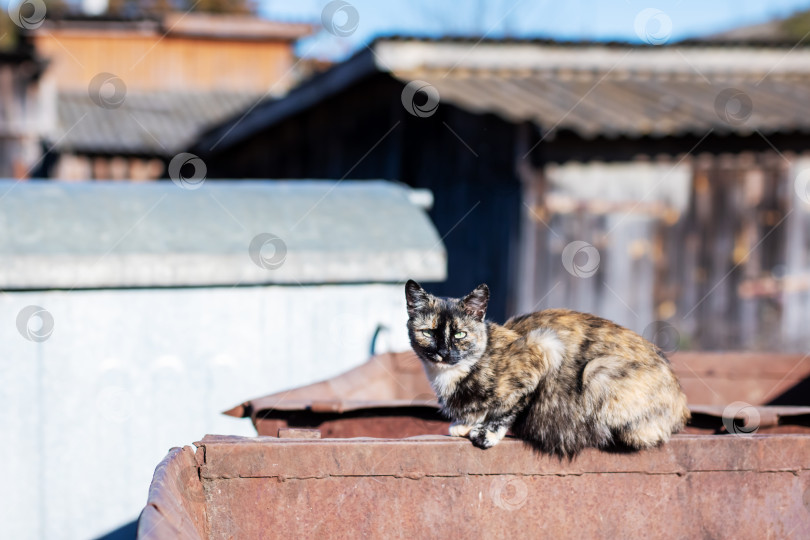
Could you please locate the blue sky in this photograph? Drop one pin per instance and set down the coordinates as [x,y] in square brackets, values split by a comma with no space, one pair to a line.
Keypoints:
[572,19]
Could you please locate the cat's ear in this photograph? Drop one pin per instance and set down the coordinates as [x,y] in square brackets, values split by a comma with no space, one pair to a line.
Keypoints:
[416,297]
[475,303]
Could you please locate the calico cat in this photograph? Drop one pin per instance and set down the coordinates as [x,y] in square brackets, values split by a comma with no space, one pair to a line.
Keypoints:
[559,379]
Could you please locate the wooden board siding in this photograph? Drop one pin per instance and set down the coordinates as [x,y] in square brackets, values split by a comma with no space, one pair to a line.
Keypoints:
[727,271]
[147,61]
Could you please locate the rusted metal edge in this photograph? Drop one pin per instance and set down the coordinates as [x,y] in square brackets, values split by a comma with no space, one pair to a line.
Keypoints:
[175,506]
[763,416]
[769,415]
[263,405]
[269,457]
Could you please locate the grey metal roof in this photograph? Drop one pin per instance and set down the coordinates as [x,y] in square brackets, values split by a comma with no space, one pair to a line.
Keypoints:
[588,88]
[94,235]
[150,123]
[632,105]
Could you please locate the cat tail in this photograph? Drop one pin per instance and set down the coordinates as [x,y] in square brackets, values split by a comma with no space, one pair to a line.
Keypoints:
[548,345]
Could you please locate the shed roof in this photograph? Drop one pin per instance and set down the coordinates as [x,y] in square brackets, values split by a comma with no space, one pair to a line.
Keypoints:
[147,123]
[591,89]
[233,27]
[96,235]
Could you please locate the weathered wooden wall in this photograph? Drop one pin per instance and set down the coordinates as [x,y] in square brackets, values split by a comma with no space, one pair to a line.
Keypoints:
[725,268]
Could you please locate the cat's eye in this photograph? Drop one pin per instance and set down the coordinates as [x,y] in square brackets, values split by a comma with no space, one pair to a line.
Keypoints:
[427,333]
[460,335]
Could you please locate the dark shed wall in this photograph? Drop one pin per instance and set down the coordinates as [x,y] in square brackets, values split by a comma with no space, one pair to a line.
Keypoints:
[365,132]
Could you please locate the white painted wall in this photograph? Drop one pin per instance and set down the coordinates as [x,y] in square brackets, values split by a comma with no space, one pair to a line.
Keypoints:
[86,415]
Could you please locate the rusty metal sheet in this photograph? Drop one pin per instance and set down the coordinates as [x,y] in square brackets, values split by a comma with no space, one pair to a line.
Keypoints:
[756,378]
[396,424]
[176,506]
[229,457]
[389,396]
[384,379]
[695,486]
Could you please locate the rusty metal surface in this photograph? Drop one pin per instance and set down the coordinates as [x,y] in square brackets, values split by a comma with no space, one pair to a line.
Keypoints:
[752,377]
[695,486]
[389,379]
[389,396]
[297,433]
[399,424]
[761,419]
[176,506]
[735,485]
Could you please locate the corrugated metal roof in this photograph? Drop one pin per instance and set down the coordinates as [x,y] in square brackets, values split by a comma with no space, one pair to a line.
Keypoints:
[103,234]
[598,104]
[591,89]
[152,123]
[595,90]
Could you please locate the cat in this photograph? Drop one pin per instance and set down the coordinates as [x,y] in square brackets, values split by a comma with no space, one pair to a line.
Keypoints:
[559,379]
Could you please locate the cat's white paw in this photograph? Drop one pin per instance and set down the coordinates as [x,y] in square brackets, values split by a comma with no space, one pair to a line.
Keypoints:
[484,438]
[459,430]
[494,437]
